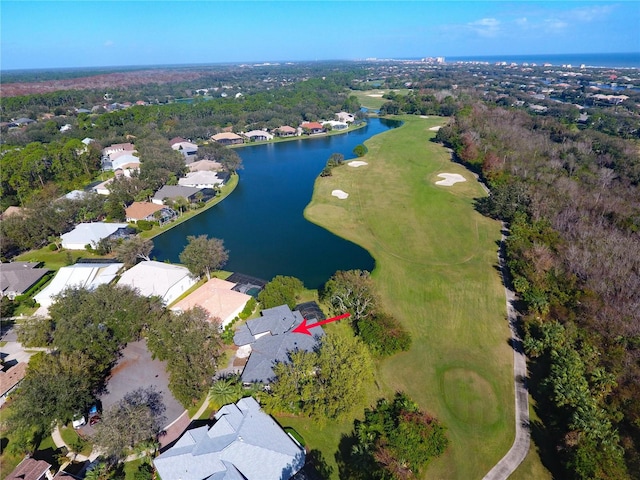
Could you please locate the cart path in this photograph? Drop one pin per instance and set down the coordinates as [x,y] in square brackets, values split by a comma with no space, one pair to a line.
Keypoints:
[514,457]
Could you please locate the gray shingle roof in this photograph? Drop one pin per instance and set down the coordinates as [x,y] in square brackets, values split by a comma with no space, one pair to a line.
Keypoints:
[271,339]
[244,444]
[17,277]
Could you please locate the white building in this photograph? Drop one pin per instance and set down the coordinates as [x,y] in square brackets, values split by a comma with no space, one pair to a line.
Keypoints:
[153,278]
[90,234]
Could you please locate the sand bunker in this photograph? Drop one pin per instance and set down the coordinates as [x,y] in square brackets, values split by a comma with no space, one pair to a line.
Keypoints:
[340,194]
[450,179]
[436,128]
[357,163]
[375,95]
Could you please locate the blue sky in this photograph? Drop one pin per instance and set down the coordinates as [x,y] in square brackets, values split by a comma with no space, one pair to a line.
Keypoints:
[57,34]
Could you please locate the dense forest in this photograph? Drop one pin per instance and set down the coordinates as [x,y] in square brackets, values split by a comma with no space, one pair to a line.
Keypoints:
[571,200]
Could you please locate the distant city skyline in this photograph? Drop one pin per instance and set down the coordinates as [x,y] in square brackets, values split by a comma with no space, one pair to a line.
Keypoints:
[77,34]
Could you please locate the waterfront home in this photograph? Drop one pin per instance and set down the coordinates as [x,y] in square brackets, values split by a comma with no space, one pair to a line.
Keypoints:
[202,179]
[204,165]
[92,233]
[345,117]
[243,443]
[172,192]
[336,125]
[258,136]
[160,279]
[312,127]
[227,138]
[268,339]
[286,131]
[217,298]
[149,211]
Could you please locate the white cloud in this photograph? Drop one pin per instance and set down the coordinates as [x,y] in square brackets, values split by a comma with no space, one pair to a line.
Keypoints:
[590,13]
[109,43]
[555,24]
[486,27]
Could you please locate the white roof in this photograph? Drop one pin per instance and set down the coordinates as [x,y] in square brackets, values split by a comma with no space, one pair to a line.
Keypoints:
[90,233]
[155,278]
[123,160]
[200,177]
[84,275]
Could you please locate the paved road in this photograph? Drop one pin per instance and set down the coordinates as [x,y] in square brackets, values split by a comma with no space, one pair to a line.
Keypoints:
[520,447]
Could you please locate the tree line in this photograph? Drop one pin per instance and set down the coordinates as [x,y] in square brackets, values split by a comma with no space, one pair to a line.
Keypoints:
[570,200]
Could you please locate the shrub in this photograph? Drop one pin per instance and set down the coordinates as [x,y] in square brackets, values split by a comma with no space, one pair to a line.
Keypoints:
[280,291]
[145,225]
[248,309]
[383,334]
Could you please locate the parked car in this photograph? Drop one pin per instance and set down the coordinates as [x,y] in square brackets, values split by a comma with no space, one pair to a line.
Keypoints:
[78,421]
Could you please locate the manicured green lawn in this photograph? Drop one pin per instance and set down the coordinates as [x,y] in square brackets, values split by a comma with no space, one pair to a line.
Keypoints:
[435,270]
[372,99]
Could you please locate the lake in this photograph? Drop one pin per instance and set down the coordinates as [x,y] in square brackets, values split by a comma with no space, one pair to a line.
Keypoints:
[262,221]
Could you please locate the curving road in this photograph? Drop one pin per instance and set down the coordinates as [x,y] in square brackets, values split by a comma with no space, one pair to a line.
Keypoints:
[507,465]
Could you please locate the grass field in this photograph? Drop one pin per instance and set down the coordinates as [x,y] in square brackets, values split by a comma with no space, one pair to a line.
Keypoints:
[372,99]
[435,270]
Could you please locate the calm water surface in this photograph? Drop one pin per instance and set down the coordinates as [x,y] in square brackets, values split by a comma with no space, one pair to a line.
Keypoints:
[261,222]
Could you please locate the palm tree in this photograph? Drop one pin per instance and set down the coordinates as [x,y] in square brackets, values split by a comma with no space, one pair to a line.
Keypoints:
[224,391]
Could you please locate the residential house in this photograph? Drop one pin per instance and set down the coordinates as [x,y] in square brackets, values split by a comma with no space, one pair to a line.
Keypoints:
[312,127]
[244,443]
[203,179]
[218,299]
[118,155]
[336,125]
[188,149]
[269,339]
[17,277]
[286,131]
[204,165]
[118,147]
[160,279]
[91,233]
[21,122]
[149,211]
[227,138]
[11,211]
[79,275]
[172,192]
[10,378]
[31,469]
[345,117]
[258,136]
[103,187]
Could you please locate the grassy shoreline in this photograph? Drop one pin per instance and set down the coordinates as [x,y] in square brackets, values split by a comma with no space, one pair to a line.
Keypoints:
[435,271]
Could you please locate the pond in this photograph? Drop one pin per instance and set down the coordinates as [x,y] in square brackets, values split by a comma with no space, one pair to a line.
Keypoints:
[262,221]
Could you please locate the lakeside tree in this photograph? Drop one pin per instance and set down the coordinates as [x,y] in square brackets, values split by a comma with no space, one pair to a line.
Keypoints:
[351,291]
[203,255]
[360,150]
[139,416]
[133,249]
[281,290]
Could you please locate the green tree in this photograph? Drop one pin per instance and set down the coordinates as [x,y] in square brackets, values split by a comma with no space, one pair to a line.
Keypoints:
[360,150]
[351,291]
[191,346]
[281,290]
[327,384]
[202,255]
[135,418]
[133,249]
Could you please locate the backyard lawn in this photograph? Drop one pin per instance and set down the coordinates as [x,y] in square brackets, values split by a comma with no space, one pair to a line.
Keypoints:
[435,270]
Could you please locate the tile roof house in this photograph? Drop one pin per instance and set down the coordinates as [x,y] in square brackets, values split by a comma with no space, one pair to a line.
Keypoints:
[91,233]
[312,127]
[11,211]
[286,131]
[345,117]
[258,136]
[17,277]
[269,339]
[31,469]
[243,444]
[227,138]
[204,165]
[147,211]
[82,275]
[160,279]
[218,299]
